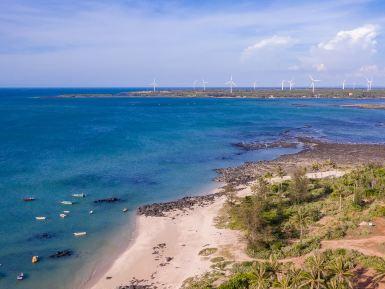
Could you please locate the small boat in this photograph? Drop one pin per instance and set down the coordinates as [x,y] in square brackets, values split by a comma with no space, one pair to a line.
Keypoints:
[91,212]
[81,195]
[35,259]
[63,215]
[66,203]
[125,210]
[29,199]
[40,218]
[66,212]
[20,276]
[80,234]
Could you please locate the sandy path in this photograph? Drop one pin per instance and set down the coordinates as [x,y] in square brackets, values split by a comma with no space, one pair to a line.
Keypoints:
[184,234]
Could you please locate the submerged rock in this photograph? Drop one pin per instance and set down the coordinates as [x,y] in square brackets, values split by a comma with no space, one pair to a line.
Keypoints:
[107,200]
[60,254]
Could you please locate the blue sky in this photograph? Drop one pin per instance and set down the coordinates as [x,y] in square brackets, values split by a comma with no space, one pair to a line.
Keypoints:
[128,43]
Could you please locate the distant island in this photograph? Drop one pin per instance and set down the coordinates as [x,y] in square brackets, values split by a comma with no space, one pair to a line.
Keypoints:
[241,93]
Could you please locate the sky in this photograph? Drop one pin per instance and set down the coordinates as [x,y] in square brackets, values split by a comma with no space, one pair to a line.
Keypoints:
[127,43]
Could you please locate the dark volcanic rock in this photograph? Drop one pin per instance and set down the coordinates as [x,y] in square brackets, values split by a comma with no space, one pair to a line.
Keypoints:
[158,209]
[107,200]
[42,236]
[60,254]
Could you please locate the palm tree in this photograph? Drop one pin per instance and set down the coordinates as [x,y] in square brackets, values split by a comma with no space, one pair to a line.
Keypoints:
[286,281]
[301,220]
[340,268]
[280,173]
[261,277]
[334,284]
[380,274]
[313,279]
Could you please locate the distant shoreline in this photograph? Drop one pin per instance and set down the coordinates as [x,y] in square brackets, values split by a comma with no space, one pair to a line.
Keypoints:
[240,93]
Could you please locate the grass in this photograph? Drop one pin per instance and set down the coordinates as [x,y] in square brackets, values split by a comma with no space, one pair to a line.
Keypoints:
[207,251]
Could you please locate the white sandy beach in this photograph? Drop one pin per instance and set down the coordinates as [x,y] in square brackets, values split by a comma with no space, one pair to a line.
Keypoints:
[185,234]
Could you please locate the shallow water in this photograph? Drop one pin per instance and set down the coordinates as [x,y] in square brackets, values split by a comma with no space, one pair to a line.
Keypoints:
[140,150]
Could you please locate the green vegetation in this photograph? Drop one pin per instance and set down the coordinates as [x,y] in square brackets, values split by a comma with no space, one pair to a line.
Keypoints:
[330,270]
[207,251]
[292,217]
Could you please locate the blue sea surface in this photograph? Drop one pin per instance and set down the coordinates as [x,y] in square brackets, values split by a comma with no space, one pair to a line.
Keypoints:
[140,150]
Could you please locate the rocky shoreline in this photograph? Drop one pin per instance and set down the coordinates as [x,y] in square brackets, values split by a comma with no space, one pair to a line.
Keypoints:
[313,151]
[159,209]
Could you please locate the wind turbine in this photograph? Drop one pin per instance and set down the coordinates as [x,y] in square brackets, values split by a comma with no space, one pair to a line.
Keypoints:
[204,84]
[282,84]
[313,81]
[254,85]
[154,84]
[369,84]
[231,83]
[291,84]
[343,84]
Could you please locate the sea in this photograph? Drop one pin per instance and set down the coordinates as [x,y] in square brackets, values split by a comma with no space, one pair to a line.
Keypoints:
[140,150]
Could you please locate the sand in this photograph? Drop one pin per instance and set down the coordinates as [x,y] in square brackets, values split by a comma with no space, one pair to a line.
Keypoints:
[185,234]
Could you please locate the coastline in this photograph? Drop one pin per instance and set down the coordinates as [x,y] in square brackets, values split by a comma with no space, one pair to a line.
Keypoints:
[148,262]
[187,231]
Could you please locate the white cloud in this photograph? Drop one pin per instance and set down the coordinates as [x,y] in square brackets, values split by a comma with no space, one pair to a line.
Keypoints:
[363,37]
[273,41]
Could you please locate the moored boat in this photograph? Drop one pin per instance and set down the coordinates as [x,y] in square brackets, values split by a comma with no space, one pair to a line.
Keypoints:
[66,203]
[40,218]
[81,195]
[20,276]
[66,212]
[29,199]
[63,215]
[125,210]
[35,259]
[80,234]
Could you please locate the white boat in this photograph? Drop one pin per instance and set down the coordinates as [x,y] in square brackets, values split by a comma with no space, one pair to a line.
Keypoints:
[40,218]
[20,276]
[63,215]
[80,234]
[91,212]
[125,210]
[81,195]
[66,212]
[66,202]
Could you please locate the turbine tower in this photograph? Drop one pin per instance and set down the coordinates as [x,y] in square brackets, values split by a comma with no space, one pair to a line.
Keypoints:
[254,85]
[291,84]
[231,83]
[154,84]
[204,84]
[313,81]
[343,84]
[282,84]
[369,84]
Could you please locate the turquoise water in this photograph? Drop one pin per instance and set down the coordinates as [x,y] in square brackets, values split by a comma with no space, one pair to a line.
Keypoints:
[140,150]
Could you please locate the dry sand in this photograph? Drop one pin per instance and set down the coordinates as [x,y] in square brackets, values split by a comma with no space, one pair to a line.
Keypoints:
[185,234]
